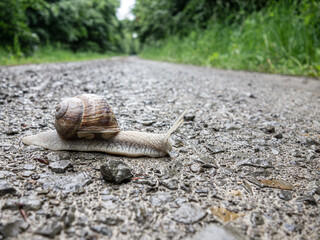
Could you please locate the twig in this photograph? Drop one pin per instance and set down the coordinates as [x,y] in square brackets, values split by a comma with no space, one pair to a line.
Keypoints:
[42,160]
[22,211]
[136,178]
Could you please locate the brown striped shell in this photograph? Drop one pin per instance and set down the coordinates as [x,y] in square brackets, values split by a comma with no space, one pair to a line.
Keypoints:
[85,116]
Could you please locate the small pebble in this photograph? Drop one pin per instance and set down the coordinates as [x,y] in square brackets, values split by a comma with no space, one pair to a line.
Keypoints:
[256,219]
[171,184]
[6,188]
[12,228]
[50,228]
[285,195]
[116,171]
[189,117]
[268,129]
[60,166]
[189,214]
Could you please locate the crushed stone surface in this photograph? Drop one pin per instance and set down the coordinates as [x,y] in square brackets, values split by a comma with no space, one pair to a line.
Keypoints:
[240,130]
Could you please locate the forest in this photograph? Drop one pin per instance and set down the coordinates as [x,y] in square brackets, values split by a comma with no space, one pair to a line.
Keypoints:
[258,35]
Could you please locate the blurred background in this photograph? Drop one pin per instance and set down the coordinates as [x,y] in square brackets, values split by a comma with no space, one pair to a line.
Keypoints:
[258,35]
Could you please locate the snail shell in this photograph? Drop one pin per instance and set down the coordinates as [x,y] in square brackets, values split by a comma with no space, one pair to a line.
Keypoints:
[85,116]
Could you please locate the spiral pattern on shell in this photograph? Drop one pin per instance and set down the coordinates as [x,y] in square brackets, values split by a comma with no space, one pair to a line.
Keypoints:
[85,116]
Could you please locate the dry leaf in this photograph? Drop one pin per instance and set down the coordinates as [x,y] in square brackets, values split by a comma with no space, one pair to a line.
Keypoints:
[277,184]
[224,214]
[235,193]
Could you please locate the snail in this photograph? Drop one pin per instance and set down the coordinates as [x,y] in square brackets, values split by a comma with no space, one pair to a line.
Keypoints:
[87,123]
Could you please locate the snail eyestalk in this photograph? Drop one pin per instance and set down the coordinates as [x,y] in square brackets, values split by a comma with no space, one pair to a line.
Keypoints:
[175,126]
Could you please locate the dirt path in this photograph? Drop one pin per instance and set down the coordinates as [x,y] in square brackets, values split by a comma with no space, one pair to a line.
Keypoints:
[241,130]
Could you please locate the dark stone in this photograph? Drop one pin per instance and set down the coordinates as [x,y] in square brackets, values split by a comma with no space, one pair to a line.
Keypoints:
[252,96]
[309,199]
[268,129]
[50,229]
[189,213]
[60,166]
[6,188]
[150,182]
[12,131]
[171,184]
[185,187]
[102,230]
[189,117]
[278,136]
[13,228]
[148,123]
[116,171]
[285,195]
[256,219]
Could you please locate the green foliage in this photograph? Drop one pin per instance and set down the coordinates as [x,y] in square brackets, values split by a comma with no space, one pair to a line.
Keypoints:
[78,24]
[75,24]
[15,35]
[282,38]
[159,19]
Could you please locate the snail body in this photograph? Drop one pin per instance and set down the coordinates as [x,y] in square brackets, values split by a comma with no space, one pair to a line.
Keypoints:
[92,132]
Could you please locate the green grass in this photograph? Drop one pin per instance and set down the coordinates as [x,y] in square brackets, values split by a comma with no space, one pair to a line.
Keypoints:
[50,54]
[276,40]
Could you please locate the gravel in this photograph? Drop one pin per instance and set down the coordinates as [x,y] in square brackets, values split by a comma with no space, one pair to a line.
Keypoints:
[242,131]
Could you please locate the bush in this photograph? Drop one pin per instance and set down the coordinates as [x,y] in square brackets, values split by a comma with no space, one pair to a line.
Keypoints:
[80,25]
[16,36]
[282,38]
[160,19]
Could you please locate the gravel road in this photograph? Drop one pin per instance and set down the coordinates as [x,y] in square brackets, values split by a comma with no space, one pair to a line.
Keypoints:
[247,163]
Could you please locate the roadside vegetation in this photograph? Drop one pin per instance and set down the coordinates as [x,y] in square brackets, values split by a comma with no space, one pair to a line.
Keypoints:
[36,31]
[273,36]
[51,54]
